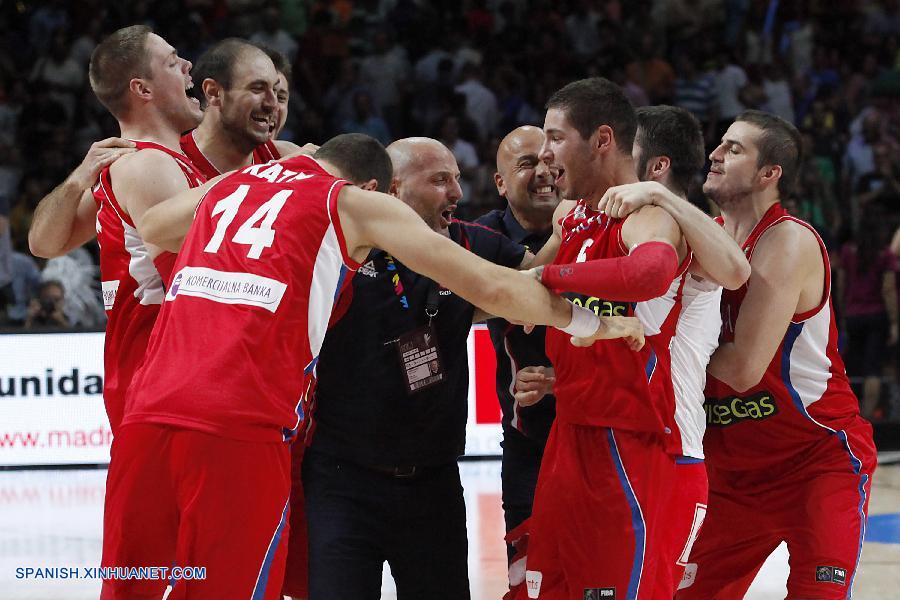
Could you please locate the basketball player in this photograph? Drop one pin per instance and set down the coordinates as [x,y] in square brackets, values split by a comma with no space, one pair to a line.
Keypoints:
[239,89]
[788,456]
[144,84]
[669,153]
[630,436]
[233,355]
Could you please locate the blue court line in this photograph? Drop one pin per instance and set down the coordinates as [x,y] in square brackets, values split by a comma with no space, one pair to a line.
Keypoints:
[884,528]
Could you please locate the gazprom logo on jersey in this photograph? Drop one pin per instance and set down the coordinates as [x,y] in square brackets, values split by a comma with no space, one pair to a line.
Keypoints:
[728,411]
[227,288]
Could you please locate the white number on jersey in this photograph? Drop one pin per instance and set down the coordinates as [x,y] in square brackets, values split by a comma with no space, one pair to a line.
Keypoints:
[249,234]
[582,254]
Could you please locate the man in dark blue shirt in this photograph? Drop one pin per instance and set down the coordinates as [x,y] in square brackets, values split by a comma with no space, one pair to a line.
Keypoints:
[529,188]
[380,475]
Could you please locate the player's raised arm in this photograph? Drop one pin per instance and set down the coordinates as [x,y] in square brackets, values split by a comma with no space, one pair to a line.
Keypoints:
[167,223]
[774,295]
[65,218]
[371,219]
[546,254]
[719,256]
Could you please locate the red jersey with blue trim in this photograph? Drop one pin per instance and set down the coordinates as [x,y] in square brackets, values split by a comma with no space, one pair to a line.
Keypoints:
[261,154]
[236,343]
[608,384]
[804,396]
[133,284]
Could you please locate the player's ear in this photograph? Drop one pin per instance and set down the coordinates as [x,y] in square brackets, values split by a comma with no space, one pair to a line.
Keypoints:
[370,186]
[139,88]
[603,138]
[212,91]
[659,166]
[770,174]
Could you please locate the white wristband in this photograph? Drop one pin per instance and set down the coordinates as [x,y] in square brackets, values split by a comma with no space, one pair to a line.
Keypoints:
[584,323]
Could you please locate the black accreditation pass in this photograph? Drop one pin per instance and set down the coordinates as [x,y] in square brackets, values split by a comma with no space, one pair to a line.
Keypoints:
[420,358]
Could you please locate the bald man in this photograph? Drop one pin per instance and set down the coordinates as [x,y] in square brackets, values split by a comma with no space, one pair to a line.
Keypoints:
[380,475]
[529,187]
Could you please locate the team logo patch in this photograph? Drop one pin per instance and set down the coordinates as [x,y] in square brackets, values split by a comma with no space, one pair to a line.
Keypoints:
[831,575]
[607,593]
[533,583]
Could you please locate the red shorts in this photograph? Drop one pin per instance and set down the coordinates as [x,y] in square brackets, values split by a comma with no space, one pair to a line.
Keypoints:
[686,512]
[817,504]
[296,573]
[178,497]
[599,512]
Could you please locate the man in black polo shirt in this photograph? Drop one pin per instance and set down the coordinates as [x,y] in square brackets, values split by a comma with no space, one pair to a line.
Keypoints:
[529,188]
[380,476]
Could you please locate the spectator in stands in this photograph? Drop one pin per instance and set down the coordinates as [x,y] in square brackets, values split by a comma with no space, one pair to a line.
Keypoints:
[867,296]
[45,310]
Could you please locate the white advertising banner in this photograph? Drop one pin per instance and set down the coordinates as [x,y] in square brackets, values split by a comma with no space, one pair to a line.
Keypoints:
[51,402]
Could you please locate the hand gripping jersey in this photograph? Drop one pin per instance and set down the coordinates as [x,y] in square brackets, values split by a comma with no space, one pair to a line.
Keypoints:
[133,285]
[804,396]
[237,339]
[261,154]
[607,384]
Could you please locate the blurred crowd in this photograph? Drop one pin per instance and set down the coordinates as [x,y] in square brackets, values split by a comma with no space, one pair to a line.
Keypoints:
[467,72]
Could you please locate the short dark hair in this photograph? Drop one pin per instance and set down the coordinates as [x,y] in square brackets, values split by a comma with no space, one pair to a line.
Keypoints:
[217,63]
[117,60]
[281,62]
[674,133]
[360,158]
[778,144]
[590,103]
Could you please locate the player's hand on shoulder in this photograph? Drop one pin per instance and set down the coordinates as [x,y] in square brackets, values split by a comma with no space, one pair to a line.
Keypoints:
[611,328]
[290,150]
[532,384]
[620,201]
[100,155]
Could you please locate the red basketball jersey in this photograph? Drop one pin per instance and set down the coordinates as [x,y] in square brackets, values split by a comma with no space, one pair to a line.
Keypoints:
[236,343]
[261,154]
[804,396]
[608,384]
[133,285]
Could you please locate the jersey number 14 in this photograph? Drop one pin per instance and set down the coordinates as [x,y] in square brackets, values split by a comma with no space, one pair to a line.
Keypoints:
[256,231]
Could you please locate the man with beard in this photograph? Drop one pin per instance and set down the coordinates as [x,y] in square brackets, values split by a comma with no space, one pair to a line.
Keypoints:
[141,80]
[239,91]
[529,187]
[788,456]
[625,441]
[668,153]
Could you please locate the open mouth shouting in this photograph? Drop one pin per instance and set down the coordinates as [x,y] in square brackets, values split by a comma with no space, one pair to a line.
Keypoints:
[447,216]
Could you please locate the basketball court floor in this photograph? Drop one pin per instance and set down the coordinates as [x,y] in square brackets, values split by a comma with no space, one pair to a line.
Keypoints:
[53,519]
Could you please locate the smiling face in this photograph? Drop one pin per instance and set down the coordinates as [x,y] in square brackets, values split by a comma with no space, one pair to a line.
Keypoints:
[282,98]
[735,173]
[249,108]
[567,154]
[429,183]
[527,183]
[169,81]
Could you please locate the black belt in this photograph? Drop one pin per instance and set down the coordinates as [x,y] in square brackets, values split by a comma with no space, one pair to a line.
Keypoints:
[397,472]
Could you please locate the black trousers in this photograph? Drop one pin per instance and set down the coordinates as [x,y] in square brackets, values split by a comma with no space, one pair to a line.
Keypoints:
[520,468]
[358,518]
